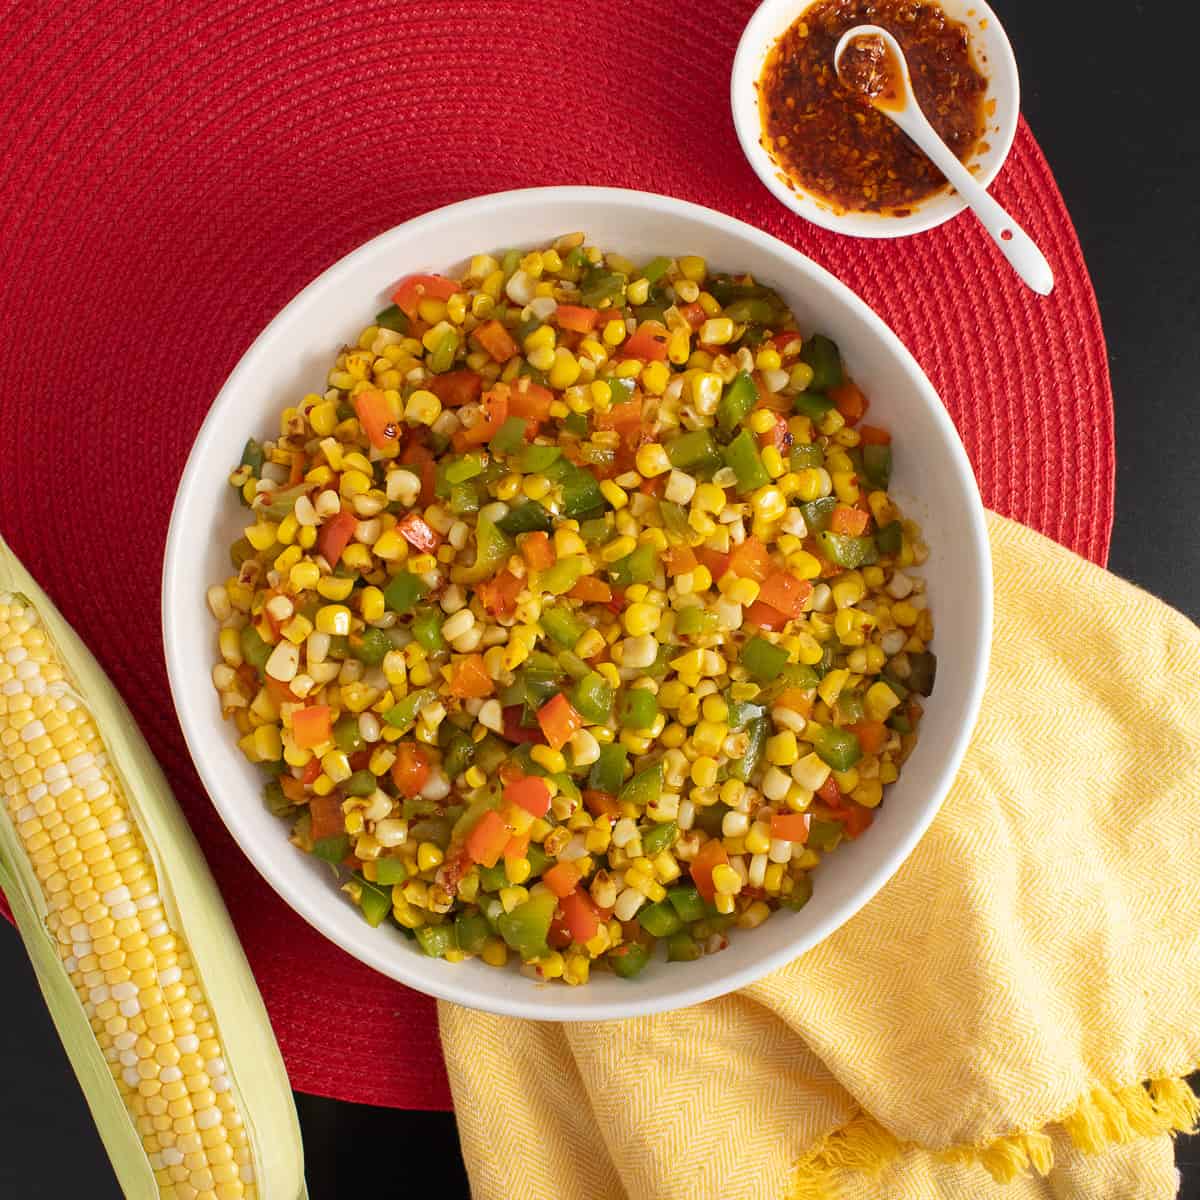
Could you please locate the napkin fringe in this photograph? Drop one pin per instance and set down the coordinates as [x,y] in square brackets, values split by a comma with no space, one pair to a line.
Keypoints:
[1106,1115]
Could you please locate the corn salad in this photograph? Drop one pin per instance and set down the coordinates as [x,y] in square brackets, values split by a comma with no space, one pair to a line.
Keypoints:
[575,615]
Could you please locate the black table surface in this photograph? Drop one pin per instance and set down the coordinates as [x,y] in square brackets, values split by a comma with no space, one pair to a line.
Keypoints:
[1124,142]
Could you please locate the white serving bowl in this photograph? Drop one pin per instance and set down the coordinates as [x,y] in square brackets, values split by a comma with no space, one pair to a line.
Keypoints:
[993,56]
[291,356]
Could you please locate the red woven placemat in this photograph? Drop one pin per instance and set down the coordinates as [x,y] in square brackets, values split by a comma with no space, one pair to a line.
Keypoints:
[172,173]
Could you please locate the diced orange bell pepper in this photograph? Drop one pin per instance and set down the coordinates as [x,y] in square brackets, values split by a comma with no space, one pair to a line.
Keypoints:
[327,817]
[750,560]
[850,401]
[580,915]
[795,699]
[855,820]
[680,560]
[830,793]
[311,726]
[716,562]
[418,533]
[411,291]
[872,735]
[516,847]
[537,550]
[781,341]
[783,591]
[292,787]
[626,419]
[790,827]
[693,314]
[712,854]
[410,771]
[765,617]
[377,419]
[591,590]
[530,400]
[562,878]
[456,388]
[299,462]
[312,770]
[499,595]
[872,435]
[777,436]
[496,341]
[852,521]
[559,721]
[649,343]
[576,318]
[529,793]
[495,412]
[334,536]
[470,679]
[487,838]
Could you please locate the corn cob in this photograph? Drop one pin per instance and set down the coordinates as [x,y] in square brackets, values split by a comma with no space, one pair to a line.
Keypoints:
[134,952]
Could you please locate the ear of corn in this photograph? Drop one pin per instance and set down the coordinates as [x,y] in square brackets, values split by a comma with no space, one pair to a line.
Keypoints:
[134,951]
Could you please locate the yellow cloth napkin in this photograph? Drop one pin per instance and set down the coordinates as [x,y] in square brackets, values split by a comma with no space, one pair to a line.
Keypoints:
[1012,1015]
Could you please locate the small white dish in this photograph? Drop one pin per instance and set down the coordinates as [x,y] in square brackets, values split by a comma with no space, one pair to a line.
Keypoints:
[933,480]
[993,56]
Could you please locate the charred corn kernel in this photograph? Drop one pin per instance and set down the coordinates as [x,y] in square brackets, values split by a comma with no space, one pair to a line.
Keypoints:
[371,604]
[303,576]
[704,771]
[297,629]
[708,737]
[423,407]
[726,880]
[390,546]
[333,587]
[93,865]
[323,418]
[334,619]
[430,856]
[679,346]
[655,377]
[868,793]
[782,749]
[552,760]
[716,331]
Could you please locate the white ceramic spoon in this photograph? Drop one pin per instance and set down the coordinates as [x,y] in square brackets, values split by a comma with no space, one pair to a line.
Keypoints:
[898,102]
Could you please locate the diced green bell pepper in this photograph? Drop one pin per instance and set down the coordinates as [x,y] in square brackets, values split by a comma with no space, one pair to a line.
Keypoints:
[656,268]
[877,465]
[850,707]
[460,750]
[435,940]
[823,835]
[535,459]
[491,550]
[372,647]
[742,712]
[471,932]
[427,629]
[252,456]
[890,539]
[360,783]
[581,494]
[392,318]
[403,592]
[332,849]
[694,452]
[802,888]
[763,659]
[254,650]
[737,400]
[742,457]
[637,708]
[375,902]
[645,787]
[756,742]
[629,959]
[347,736]
[510,437]
[922,672]
[561,576]
[685,900]
[806,455]
[659,920]
[822,354]
[389,871]
[278,805]
[658,838]
[404,712]
[675,518]
[592,698]
[526,927]
[846,550]
[818,513]
[464,468]
[636,567]
[608,771]
[596,531]
[837,747]
[561,624]
[600,286]
[525,518]
[682,947]
[813,405]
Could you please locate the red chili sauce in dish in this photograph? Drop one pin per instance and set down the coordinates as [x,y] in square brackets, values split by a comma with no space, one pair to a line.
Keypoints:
[831,140]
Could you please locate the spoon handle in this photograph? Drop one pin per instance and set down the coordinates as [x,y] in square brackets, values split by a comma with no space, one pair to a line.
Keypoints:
[1015,244]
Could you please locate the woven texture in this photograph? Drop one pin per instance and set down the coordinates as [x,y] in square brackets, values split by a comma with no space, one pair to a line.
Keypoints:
[1039,944]
[172,173]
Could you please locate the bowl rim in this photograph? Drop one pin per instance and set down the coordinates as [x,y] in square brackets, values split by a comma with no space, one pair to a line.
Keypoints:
[926,215]
[378,953]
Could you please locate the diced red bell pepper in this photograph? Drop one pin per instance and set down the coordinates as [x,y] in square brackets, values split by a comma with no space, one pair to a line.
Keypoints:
[783,591]
[419,458]
[562,878]
[872,735]
[777,436]
[855,820]
[580,915]
[852,521]
[327,817]
[711,855]
[601,804]
[470,679]
[377,419]
[781,341]
[529,400]
[312,770]
[829,792]
[529,793]
[750,560]
[591,590]
[516,847]
[850,401]
[456,388]
[410,771]
[411,291]
[559,936]
[872,435]
[575,317]
[496,341]
[537,550]
[499,595]
[716,562]
[334,536]
[693,314]
[790,827]
[418,533]
[293,788]
[765,617]
[299,461]
[559,721]
[487,838]
[514,731]
[649,343]
[495,412]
